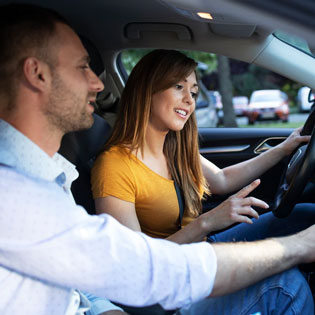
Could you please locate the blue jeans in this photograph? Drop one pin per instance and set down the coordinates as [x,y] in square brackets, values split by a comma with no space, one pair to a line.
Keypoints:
[285,293]
[302,216]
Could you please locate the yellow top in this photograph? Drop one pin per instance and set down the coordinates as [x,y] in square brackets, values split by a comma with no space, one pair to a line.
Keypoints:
[122,175]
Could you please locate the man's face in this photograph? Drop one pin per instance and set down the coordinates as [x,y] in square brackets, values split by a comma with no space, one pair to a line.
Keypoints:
[73,84]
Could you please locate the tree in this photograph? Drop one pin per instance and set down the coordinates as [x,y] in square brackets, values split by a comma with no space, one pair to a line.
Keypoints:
[226,91]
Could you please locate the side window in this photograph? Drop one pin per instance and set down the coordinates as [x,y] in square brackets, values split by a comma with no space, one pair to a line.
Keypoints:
[237,94]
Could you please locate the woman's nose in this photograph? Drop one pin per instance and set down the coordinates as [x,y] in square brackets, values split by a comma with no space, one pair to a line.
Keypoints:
[189,98]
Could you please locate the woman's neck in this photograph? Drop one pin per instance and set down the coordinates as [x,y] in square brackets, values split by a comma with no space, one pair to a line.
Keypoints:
[153,156]
[154,142]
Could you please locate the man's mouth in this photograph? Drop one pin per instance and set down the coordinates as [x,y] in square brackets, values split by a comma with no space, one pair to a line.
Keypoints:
[92,103]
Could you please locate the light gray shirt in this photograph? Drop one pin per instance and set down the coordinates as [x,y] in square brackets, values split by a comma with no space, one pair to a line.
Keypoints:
[48,245]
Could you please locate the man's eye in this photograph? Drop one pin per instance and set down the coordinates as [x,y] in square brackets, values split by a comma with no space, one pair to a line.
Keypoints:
[86,66]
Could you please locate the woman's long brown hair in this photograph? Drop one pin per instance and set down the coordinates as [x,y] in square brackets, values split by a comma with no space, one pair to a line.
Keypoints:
[158,71]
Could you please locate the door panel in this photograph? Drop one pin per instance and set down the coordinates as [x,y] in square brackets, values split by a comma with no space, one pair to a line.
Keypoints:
[228,146]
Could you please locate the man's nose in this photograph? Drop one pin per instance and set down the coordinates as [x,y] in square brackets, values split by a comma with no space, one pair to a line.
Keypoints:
[96,83]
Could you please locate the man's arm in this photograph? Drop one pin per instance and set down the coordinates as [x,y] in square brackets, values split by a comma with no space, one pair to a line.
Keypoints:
[50,239]
[242,264]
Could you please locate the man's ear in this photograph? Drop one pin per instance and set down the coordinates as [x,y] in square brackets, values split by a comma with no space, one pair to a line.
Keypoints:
[36,73]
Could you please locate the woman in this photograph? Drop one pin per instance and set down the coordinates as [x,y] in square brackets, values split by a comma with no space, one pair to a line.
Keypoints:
[155,143]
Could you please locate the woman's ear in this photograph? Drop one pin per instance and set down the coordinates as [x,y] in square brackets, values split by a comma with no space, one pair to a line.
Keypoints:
[36,73]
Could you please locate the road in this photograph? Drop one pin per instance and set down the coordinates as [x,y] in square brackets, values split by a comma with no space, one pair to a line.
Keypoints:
[292,118]
[298,117]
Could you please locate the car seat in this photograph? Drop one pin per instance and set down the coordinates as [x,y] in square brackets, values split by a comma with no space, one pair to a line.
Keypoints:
[81,148]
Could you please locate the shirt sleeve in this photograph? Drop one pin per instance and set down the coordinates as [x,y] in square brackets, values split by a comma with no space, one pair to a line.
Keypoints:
[44,236]
[111,176]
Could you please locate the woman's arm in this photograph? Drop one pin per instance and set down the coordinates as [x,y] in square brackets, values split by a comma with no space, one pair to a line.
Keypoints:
[237,208]
[123,211]
[232,178]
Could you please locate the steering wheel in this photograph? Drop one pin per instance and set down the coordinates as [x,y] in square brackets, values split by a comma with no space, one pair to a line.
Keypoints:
[300,170]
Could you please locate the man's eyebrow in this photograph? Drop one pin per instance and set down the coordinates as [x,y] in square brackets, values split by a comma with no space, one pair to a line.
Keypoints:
[86,59]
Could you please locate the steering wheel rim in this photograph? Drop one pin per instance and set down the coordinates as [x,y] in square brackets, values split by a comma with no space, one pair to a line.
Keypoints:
[303,164]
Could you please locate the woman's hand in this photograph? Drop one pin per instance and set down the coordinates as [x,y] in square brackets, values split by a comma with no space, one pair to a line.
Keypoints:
[293,141]
[236,209]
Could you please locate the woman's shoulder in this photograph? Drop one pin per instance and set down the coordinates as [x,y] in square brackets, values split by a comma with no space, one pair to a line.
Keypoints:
[112,160]
[114,151]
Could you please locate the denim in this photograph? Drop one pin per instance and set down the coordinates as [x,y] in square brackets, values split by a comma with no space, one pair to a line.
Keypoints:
[301,217]
[285,293]
[100,305]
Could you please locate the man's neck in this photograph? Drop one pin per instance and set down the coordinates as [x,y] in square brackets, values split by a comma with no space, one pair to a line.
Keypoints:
[39,132]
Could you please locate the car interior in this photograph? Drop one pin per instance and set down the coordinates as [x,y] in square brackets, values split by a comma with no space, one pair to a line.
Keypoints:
[108,27]
[242,30]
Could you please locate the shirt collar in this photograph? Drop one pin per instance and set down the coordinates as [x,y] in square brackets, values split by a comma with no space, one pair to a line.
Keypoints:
[19,152]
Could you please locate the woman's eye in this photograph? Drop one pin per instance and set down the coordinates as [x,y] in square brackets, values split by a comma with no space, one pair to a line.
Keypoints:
[178,86]
[193,95]
[86,66]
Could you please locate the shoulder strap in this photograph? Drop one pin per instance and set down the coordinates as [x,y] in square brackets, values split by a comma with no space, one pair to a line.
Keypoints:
[180,202]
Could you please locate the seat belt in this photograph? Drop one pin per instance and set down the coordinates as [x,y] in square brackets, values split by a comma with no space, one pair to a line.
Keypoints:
[180,199]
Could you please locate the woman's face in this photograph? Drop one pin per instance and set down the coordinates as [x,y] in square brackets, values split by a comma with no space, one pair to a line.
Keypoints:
[171,108]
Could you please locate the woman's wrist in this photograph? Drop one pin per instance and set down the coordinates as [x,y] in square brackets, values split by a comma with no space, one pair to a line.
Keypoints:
[205,224]
[284,149]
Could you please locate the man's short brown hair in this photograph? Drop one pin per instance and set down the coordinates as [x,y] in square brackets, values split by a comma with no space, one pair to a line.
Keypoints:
[25,31]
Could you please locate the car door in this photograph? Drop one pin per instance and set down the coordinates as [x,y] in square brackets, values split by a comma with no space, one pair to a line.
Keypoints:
[228,146]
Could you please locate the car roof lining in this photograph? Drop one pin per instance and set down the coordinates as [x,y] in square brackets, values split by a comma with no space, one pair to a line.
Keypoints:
[248,42]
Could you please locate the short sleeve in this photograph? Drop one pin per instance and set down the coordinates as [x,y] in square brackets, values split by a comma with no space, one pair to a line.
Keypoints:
[111,176]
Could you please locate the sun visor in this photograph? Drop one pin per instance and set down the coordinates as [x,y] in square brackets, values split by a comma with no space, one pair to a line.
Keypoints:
[141,30]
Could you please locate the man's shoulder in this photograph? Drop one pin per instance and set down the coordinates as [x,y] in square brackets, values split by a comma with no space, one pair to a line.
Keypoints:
[25,198]
[9,173]
[19,184]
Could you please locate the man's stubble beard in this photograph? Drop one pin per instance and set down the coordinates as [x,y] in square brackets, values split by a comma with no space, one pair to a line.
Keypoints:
[65,110]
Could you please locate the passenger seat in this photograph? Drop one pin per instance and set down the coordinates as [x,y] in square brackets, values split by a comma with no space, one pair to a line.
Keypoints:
[81,148]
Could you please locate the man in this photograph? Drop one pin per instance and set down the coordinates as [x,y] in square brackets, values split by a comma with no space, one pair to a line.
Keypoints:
[49,246]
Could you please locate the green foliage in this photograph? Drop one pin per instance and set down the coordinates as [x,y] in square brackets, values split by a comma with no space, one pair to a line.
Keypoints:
[255,79]
[130,58]
[206,58]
